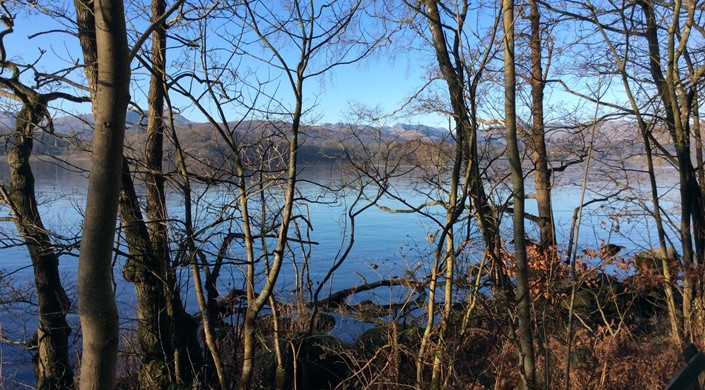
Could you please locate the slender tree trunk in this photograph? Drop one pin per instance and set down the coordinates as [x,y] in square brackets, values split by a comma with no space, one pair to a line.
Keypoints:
[154,148]
[539,155]
[208,327]
[173,354]
[698,136]
[142,265]
[96,298]
[195,261]
[148,264]
[466,124]
[421,359]
[668,278]
[466,155]
[53,367]
[454,209]
[279,359]
[455,88]
[526,340]
[692,217]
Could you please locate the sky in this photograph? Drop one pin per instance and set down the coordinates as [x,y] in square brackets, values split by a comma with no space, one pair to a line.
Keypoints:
[381,83]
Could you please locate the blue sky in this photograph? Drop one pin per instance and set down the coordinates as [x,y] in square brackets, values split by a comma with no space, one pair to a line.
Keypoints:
[379,82]
[384,81]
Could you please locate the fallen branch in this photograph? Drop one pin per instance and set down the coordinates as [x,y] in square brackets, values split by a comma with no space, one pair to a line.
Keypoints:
[336,299]
[228,305]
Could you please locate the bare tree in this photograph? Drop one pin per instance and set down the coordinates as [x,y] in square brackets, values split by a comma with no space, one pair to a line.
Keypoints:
[466,184]
[313,29]
[261,149]
[677,100]
[646,130]
[53,366]
[524,328]
[167,334]
[537,138]
[656,62]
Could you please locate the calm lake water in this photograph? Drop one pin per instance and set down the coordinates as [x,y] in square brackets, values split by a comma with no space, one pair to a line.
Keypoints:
[386,244]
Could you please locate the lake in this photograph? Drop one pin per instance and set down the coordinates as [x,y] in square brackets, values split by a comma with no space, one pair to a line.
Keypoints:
[386,244]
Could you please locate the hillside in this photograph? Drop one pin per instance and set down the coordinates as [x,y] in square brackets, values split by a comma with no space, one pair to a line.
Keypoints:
[318,142]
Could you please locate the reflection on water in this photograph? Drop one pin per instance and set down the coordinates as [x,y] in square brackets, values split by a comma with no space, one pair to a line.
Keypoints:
[386,244]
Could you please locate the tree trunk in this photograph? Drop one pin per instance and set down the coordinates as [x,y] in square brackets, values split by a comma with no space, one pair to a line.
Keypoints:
[196,262]
[53,367]
[85,22]
[149,264]
[526,340]
[697,135]
[96,299]
[692,216]
[154,179]
[472,188]
[144,268]
[539,155]
[167,334]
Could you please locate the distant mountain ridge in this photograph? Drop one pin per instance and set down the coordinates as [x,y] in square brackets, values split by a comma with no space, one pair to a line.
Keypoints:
[400,131]
[82,125]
